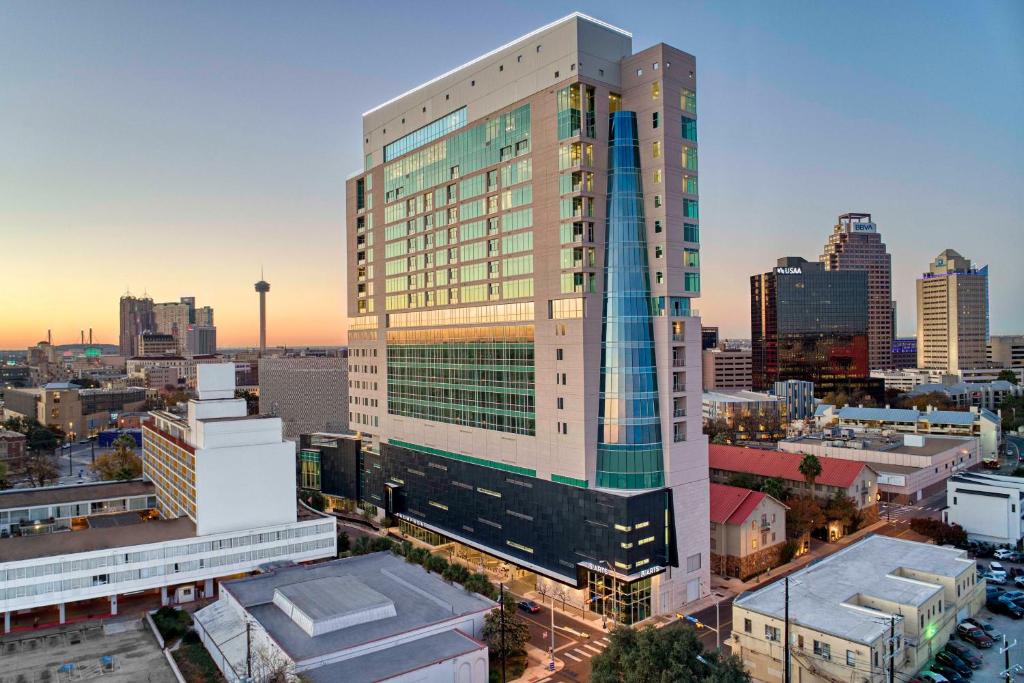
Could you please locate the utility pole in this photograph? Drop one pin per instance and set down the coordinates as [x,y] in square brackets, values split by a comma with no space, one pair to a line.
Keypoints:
[785,646]
[552,666]
[248,651]
[501,598]
[892,648]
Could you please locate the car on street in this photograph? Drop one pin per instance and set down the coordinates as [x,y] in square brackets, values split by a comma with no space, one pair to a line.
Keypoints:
[1003,554]
[967,655]
[950,660]
[974,635]
[529,606]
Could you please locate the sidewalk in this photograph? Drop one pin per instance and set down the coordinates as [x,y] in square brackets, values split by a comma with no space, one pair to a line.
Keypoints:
[538,672]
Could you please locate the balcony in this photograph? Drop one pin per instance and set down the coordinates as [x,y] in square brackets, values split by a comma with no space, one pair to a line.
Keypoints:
[678,361]
[679,412]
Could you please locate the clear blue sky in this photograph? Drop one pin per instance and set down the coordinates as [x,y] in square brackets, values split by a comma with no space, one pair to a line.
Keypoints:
[182,144]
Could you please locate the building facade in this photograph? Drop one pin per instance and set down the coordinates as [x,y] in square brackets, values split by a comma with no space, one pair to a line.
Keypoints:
[136,316]
[709,337]
[157,344]
[309,394]
[843,610]
[1006,350]
[811,324]
[758,416]
[952,314]
[200,340]
[855,244]
[964,395]
[748,530]
[542,382]
[904,353]
[74,411]
[727,369]
[987,506]
[797,399]
[12,445]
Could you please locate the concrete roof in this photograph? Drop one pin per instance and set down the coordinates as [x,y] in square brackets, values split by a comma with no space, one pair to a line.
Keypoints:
[389,663]
[824,596]
[420,598]
[874,443]
[738,396]
[68,542]
[948,417]
[882,414]
[60,495]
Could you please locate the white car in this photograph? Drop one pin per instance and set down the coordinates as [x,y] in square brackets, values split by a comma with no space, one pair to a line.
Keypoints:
[997,573]
[1003,554]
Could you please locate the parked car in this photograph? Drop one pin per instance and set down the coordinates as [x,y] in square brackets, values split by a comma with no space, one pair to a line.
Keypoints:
[997,578]
[1012,595]
[929,677]
[985,626]
[948,659]
[964,653]
[1003,554]
[993,590]
[949,672]
[529,606]
[1019,580]
[974,635]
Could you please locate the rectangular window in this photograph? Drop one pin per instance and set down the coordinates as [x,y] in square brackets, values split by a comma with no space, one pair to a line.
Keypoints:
[822,650]
[655,90]
[689,129]
[691,282]
[748,627]
[692,562]
[691,233]
[428,133]
[691,258]
[690,184]
[656,149]
[654,120]
[688,101]
[771,633]
[690,208]
[851,658]
[689,158]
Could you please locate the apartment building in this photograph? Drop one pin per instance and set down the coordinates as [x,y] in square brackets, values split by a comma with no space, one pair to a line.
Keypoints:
[535,393]
[845,610]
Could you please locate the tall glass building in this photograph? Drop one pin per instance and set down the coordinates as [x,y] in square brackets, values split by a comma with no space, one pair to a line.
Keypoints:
[524,370]
[808,323]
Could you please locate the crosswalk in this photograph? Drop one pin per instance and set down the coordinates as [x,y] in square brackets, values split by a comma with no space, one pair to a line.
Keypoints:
[585,650]
[906,512]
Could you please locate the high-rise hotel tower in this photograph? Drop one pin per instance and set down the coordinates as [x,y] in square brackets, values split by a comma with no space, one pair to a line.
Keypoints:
[523,249]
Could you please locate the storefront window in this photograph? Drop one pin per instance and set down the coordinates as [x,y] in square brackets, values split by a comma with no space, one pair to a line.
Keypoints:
[623,602]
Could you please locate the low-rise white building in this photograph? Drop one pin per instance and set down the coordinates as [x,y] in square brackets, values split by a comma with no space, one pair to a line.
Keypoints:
[365,619]
[843,608]
[225,504]
[909,466]
[987,506]
[964,395]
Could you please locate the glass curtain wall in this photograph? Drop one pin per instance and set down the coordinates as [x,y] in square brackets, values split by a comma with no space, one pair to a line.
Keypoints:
[629,450]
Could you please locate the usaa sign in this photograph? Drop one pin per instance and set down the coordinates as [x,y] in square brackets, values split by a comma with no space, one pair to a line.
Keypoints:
[789,270]
[863,227]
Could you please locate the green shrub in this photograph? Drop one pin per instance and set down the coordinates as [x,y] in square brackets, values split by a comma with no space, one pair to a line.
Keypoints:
[436,564]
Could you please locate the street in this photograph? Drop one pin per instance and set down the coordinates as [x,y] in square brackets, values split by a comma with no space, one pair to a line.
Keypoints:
[570,646]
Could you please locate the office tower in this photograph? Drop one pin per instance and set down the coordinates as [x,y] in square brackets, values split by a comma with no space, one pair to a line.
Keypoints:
[172,318]
[952,314]
[855,244]
[200,340]
[904,353]
[528,391]
[136,317]
[1006,350]
[157,344]
[811,324]
[709,337]
[726,369]
[262,287]
[204,316]
[308,393]
[190,301]
[797,397]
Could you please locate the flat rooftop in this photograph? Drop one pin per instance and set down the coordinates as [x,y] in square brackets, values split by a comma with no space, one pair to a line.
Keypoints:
[60,495]
[826,595]
[393,661]
[419,599]
[933,445]
[738,396]
[69,542]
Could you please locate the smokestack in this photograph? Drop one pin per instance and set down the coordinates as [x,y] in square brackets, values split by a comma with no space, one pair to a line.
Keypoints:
[82,334]
[49,337]
[90,336]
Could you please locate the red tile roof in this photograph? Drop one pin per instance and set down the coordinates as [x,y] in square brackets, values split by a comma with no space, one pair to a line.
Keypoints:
[733,505]
[834,472]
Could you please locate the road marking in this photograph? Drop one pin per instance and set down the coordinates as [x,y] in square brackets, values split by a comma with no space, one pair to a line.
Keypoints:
[582,652]
[575,659]
[593,649]
[605,641]
[544,680]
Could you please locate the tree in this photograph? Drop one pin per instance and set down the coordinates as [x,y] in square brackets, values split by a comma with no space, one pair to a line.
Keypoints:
[810,467]
[935,399]
[774,487]
[252,401]
[716,428]
[664,655]
[1012,409]
[940,532]
[804,516]
[1008,375]
[517,634]
[479,583]
[3,474]
[40,467]
[121,464]
[344,543]
[843,509]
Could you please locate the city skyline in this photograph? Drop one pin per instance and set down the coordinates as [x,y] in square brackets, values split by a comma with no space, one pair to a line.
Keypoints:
[235,152]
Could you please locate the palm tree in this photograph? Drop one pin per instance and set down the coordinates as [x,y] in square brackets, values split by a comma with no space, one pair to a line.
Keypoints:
[810,467]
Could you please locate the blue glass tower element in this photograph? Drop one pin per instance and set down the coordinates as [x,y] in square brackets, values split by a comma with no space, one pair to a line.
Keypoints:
[629,452]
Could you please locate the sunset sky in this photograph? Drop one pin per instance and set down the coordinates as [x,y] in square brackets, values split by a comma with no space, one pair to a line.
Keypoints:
[175,147]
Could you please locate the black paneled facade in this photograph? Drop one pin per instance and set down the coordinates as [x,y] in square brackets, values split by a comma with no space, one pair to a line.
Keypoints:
[339,463]
[555,529]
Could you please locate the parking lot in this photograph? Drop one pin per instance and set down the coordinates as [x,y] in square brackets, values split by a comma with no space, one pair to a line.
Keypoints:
[994,662]
[82,653]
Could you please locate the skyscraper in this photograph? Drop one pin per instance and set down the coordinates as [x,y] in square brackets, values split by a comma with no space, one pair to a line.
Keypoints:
[136,317]
[204,316]
[172,317]
[952,314]
[855,244]
[535,393]
[810,324]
